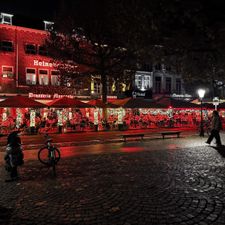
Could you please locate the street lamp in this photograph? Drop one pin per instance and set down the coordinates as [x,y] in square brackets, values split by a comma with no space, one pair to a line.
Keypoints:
[201,94]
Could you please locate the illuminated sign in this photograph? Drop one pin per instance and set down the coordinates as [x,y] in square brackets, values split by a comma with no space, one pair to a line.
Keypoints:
[43,63]
[181,96]
[138,94]
[32,95]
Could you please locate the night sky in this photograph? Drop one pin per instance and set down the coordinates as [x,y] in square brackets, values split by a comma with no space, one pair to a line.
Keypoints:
[46,8]
[38,8]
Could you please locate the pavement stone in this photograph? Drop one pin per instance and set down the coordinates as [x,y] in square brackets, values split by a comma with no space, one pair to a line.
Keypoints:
[181,186]
[89,138]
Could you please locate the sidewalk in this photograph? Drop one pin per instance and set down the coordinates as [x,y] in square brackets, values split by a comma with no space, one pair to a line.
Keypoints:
[86,138]
[161,182]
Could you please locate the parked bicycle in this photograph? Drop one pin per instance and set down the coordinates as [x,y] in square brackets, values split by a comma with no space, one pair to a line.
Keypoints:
[49,154]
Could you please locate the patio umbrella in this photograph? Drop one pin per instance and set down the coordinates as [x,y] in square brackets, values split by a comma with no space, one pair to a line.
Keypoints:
[68,103]
[138,103]
[99,103]
[21,102]
[121,102]
[178,104]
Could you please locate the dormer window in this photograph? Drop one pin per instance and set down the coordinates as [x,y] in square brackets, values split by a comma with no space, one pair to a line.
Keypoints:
[48,25]
[43,50]
[6,46]
[6,18]
[30,49]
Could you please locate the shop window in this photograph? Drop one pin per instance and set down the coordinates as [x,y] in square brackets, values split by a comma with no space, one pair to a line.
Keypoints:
[43,50]
[30,49]
[6,46]
[31,78]
[7,72]
[55,78]
[43,77]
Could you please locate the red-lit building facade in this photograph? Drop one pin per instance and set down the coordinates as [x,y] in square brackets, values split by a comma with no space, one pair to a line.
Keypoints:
[25,67]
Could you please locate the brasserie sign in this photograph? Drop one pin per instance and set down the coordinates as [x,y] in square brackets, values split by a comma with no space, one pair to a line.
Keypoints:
[48,96]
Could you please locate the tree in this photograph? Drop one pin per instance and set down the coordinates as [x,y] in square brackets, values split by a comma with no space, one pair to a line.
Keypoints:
[182,33]
[82,44]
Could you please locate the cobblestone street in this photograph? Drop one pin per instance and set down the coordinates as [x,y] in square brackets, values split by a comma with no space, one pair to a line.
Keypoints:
[136,186]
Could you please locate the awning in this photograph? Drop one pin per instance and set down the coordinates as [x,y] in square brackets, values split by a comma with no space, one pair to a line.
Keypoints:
[68,103]
[21,102]
[178,104]
[138,103]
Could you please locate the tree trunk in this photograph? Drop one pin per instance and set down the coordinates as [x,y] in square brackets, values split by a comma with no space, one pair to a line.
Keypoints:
[104,94]
[104,87]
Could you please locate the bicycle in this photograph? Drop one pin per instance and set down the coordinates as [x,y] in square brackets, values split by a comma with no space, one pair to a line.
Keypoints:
[49,155]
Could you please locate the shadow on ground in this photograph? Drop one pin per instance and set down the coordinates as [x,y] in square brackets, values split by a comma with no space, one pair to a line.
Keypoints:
[5,215]
[220,150]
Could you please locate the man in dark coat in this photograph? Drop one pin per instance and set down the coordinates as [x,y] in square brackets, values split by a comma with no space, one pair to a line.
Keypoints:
[13,149]
[215,129]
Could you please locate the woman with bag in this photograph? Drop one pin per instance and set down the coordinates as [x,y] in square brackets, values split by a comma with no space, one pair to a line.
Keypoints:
[14,155]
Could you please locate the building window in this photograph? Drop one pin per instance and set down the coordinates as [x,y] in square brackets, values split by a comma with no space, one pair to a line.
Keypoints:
[7,72]
[147,82]
[158,66]
[6,46]
[178,86]
[138,81]
[147,67]
[97,87]
[43,50]
[30,49]
[55,78]
[168,85]
[157,85]
[143,81]
[43,77]
[31,78]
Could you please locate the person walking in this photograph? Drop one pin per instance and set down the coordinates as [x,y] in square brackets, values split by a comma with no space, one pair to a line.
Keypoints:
[14,155]
[216,126]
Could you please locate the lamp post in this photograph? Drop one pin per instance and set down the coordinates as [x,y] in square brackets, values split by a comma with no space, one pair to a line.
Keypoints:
[201,94]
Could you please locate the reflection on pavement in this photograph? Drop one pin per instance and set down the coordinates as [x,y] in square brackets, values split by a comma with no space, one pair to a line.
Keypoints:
[128,147]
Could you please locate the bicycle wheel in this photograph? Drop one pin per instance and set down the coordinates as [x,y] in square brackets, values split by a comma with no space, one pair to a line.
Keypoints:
[44,157]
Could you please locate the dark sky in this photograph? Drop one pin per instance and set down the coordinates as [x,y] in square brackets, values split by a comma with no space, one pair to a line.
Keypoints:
[45,8]
[34,8]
